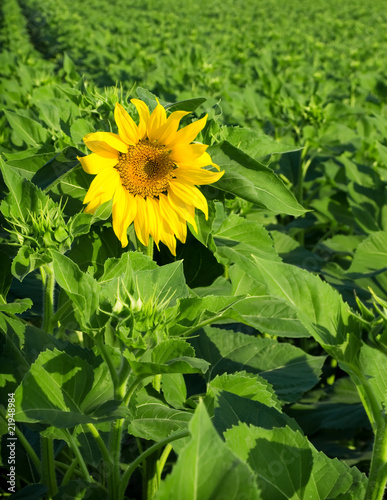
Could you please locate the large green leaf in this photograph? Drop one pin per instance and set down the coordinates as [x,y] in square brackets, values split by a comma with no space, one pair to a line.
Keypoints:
[54,169]
[338,407]
[163,284]
[154,419]
[27,129]
[191,314]
[169,356]
[287,466]
[64,391]
[245,237]
[373,364]
[17,307]
[287,368]
[28,166]
[230,409]
[246,385]
[370,255]
[82,289]
[23,196]
[5,275]
[206,469]
[174,389]
[248,179]
[254,144]
[309,296]
[72,183]
[26,260]
[270,315]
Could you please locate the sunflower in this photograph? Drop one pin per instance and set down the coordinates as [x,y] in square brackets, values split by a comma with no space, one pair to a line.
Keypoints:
[151,171]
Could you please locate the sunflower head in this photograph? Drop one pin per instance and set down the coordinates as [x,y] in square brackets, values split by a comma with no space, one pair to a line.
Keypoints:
[151,170]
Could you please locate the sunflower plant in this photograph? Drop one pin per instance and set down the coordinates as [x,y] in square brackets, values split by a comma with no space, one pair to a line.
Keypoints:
[162,373]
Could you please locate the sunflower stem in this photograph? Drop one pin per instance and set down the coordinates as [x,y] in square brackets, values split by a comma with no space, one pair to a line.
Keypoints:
[149,248]
[48,280]
[74,447]
[47,474]
[69,472]
[377,479]
[141,458]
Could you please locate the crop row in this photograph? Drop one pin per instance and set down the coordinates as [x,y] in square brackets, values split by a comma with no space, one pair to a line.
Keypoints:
[267,62]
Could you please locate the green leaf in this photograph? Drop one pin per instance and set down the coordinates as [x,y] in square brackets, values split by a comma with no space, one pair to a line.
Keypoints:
[29,130]
[287,368]
[154,420]
[308,295]
[191,314]
[23,198]
[206,469]
[82,289]
[230,409]
[339,407]
[270,315]
[174,389]
[186,105]
[88,446]
[126,266]
[56,168]
[373,364]
[163,284]
[28,166]
[287,466]
[64,391]
[17,307]
[5,275]
[244,237]
[72,185]
[370,255]
[18,191]
[26,261]
[246,385]
[149,98]
[169,356]
[248,179]
[254,144]
[280,457]
[79,129]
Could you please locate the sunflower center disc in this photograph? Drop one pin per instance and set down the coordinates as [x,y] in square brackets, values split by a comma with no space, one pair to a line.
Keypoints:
[145,169]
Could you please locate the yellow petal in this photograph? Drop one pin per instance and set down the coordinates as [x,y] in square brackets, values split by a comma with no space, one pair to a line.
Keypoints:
[143,113]
[141,221]
[127,129]
[187,134]
[102,189]
[188,153]
[177,224]
[105,144]
[190,194]
[168,238]
[201,161]
[186,212]
[103,185]
[167,235]
[124,212]
[168,130]
[196,175]
[157,119]
[154,219]
[93,163]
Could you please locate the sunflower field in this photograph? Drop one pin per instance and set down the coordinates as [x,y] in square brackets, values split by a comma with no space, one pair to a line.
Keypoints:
[193,248]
